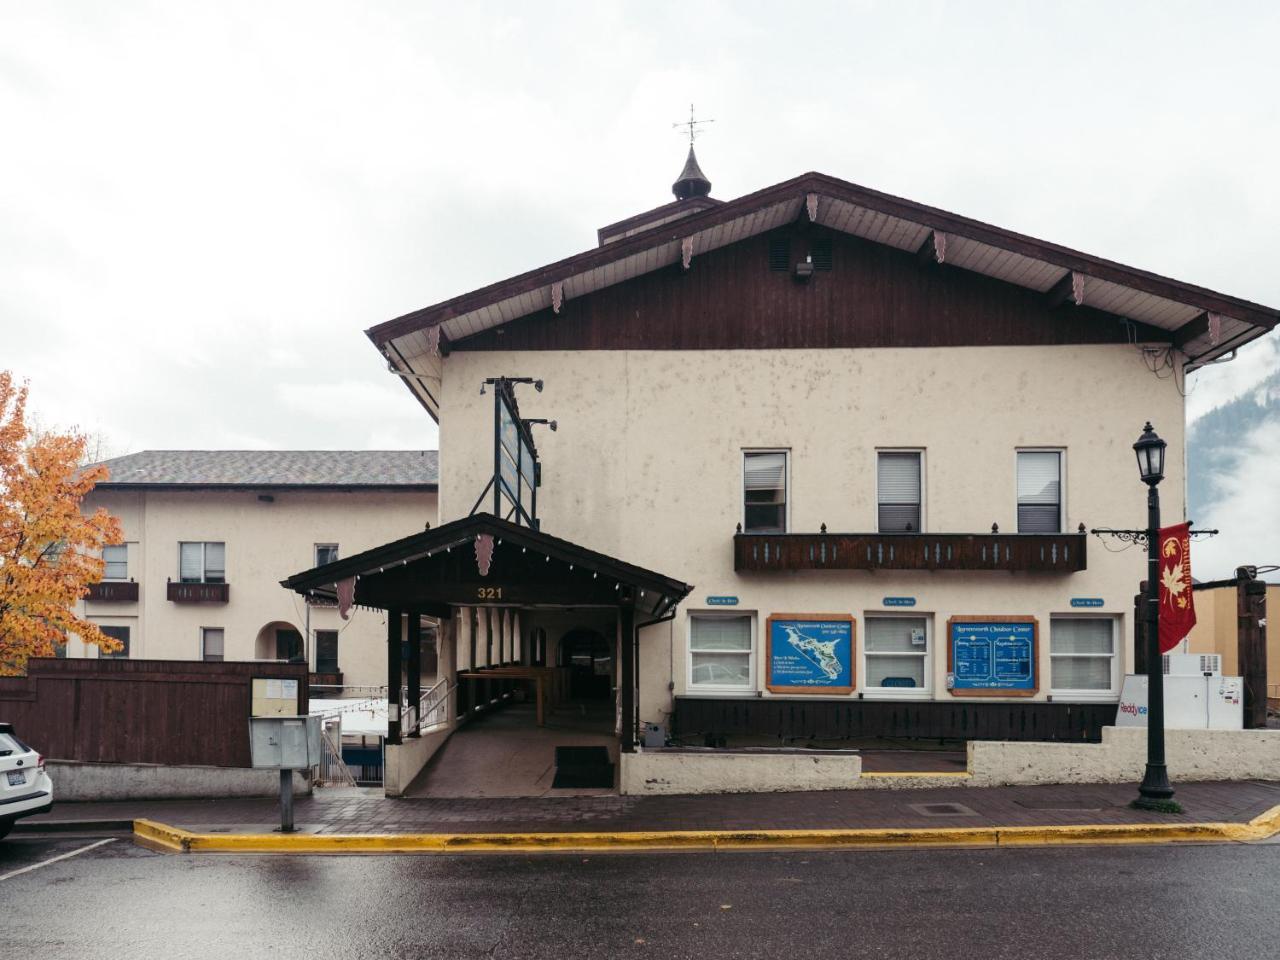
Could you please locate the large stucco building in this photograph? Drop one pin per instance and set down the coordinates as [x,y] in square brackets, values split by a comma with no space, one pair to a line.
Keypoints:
[209,534]
[813,408]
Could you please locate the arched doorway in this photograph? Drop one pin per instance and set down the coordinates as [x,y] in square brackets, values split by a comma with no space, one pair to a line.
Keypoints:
[589,657]
[278,640]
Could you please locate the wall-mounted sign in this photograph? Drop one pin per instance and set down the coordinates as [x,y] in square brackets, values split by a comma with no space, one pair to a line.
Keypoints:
[809,653]
[1086,601]
[722,601]
[992,656]
[899,601]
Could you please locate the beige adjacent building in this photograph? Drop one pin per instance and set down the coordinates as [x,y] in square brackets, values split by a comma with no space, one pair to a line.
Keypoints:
[209,535]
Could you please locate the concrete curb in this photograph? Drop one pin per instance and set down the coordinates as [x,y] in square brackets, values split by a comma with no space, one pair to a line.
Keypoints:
[160,836]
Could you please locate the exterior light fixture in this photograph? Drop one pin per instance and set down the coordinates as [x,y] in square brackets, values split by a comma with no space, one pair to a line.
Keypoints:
[1150,453]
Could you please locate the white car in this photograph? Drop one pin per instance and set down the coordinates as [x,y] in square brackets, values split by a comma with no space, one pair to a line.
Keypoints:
[25,787]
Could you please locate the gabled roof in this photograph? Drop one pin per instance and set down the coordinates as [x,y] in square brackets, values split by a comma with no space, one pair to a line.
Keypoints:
[265,469]
[1202,323]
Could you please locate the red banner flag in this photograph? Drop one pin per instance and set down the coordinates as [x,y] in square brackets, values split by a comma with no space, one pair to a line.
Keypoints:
[1177,606]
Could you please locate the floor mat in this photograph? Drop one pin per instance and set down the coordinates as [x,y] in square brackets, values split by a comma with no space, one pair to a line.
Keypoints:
[582,768]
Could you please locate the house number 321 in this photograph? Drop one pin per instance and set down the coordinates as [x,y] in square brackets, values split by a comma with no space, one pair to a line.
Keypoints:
[489,593]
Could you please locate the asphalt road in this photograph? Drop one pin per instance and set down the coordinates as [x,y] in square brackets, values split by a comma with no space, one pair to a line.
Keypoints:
[117,900]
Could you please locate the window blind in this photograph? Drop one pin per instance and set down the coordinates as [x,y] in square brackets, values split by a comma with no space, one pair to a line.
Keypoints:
[898,486]
[1039,491]
[765,492]
[117,562]
[1082,653]
[766,471]
[213,644]
[721,633]
[215,562]
[893,634]
[191,562]
[1082,635]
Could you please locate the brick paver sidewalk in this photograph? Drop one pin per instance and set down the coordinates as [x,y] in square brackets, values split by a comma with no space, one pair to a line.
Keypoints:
[346,811]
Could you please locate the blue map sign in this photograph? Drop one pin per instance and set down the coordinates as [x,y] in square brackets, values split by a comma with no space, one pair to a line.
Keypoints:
[722,601]
[993,656]
[899,601]
[810,653]
[1086,601]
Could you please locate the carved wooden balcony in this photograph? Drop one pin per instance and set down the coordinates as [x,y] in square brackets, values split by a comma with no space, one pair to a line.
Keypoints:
[113,591]
[198,592]
[1013,552]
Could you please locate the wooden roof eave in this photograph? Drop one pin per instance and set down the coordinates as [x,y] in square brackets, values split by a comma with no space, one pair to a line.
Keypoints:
[930,218]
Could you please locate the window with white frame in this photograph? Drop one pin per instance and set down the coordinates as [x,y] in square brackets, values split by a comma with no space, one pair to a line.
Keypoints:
[896,654]
[202,562]
[116,560]
[764,491]
[1082,654]
[1039,491]
[898,491]
[212,640]
[721,652]
[326,553]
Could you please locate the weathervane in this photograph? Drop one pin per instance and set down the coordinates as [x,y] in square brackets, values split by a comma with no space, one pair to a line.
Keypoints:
[692,124]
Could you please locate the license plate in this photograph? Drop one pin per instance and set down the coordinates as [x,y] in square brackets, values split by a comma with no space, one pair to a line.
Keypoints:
[17,778]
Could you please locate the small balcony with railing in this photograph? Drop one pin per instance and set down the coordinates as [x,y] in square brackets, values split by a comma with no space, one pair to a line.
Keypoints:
[179,592]
[113,591]
[996,551]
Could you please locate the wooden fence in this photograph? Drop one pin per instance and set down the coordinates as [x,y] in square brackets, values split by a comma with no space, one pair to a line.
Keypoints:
[139,711]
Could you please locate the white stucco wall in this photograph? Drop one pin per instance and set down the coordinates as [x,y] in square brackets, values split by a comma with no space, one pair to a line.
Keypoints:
[647,465]
[265,543]
[659,772]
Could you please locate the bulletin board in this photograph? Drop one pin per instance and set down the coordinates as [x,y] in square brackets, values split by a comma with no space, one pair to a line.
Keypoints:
[809,653]
[993,656]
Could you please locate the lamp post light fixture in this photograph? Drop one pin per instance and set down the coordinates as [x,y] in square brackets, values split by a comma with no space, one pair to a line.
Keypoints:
[1154,793]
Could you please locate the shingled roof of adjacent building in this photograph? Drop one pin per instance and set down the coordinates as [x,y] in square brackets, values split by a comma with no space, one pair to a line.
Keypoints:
[383,469]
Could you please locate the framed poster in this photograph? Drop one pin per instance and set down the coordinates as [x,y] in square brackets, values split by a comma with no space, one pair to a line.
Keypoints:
[993,656]
[809,653]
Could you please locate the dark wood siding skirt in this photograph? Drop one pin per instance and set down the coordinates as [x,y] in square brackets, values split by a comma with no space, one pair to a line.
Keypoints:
[697,719]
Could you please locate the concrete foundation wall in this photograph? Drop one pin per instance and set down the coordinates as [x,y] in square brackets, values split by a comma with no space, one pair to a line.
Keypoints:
[660,772]
[145,781]
[1121,757]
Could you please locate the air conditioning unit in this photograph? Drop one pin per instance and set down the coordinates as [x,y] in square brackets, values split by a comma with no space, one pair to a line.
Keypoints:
[1192,664]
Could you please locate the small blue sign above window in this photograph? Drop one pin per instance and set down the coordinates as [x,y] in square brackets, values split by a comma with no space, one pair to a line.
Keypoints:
[899,601]
[722,601]
[1086,601]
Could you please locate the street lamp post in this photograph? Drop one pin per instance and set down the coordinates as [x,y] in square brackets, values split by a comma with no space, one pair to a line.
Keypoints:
[1154,793]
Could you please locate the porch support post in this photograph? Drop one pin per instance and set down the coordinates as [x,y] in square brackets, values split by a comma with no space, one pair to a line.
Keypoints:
[394,633]
[1251,646]
[627,682]
[414,698]
[470,613]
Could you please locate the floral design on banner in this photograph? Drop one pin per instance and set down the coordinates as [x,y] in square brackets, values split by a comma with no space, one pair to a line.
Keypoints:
[1177,603]
[484,553]
[346,591]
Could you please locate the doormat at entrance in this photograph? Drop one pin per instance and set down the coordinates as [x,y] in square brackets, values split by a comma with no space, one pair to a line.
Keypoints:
[582,768]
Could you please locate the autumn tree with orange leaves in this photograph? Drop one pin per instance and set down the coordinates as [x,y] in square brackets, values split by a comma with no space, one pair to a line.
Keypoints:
[49,551]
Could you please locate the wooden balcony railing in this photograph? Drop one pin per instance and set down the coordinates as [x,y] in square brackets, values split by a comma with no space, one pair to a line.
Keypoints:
[198,592]
[1015,552]
[113,591]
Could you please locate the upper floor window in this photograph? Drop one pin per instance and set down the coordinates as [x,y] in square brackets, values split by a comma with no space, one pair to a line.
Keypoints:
[765,492]
[116,558]
[326,553]
[1039,491]
[202,562]
[898,489]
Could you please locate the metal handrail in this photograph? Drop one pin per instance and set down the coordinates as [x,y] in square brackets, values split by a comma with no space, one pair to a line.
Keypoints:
[429,703]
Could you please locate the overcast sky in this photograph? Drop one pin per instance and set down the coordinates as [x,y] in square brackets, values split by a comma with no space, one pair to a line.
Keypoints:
[203,205]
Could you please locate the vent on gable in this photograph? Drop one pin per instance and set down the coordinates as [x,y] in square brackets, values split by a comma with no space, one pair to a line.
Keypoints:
[779,253]
[820,250]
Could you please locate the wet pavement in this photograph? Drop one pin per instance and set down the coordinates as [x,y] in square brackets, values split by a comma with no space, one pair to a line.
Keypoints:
[119,900]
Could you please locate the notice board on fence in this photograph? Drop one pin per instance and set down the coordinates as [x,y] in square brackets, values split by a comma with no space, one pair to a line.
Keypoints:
[993,656]
[809,653]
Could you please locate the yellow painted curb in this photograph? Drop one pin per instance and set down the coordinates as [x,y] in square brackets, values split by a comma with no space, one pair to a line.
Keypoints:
[163,837]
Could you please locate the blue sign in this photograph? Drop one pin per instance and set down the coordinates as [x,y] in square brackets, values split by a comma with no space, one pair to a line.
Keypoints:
[1086,601]
[722,601]
[996,655]
[810,655]
[899,601]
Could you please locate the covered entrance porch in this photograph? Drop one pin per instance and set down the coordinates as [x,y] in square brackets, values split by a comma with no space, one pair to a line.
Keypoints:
[535,634]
